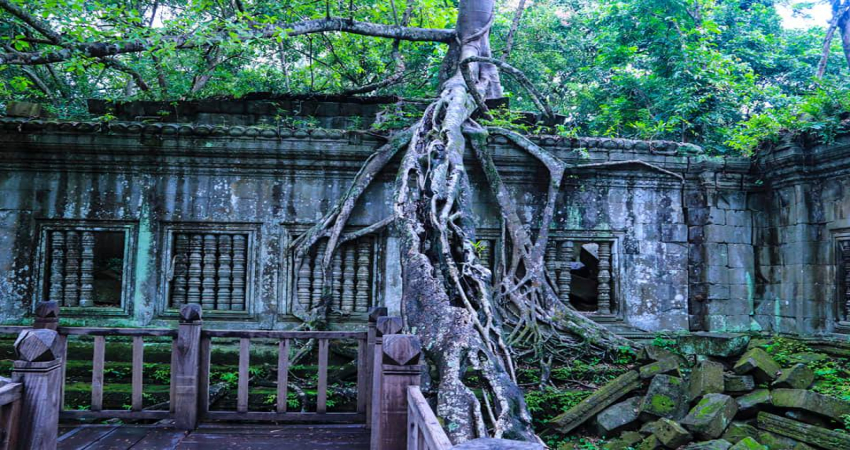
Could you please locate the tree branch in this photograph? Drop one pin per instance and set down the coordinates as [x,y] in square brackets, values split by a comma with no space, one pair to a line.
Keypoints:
[827,40]
[185,41]
[515,73]
[121,67]
[33,22]
[509,41]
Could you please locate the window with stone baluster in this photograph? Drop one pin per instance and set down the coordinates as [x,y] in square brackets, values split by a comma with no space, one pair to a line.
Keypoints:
[84,266]
[209,265]
[843,253]
[352,279]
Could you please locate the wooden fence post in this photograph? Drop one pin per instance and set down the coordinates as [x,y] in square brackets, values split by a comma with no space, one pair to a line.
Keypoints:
[374,314]
[38,368]
[400,369]
[186,368]
[47,317]
[384,325]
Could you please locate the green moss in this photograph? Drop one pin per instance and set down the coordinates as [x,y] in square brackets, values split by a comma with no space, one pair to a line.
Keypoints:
[662,404]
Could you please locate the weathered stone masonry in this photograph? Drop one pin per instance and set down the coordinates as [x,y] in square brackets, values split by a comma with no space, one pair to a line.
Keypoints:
[128,220]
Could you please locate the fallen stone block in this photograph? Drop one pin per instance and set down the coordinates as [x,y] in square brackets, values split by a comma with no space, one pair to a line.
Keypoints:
[651,353]
[658,367]
[809,434]
[748,443]
[626,441]
[738,383]
[759,363]
[776,442]
[25,109]
[810,401]
[714,344]
[619,415]
[649,443]
[599,400]
[706,378]
[648,428]
[751,401]
[806,417]
[796,377]
[739,430]
[665,397]
[717,444]
[671,434]
[710,417]
[808,357]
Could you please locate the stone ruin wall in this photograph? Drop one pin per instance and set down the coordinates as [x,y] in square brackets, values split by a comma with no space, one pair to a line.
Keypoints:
[737,245]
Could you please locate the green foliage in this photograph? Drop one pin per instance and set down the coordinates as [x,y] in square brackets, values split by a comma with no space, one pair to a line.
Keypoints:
[832,375]
[547,403]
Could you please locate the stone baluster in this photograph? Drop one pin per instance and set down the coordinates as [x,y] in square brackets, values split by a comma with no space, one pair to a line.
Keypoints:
[336,274]
[846,255]
[57,266]
[181,259]
[209,272]
[304,273]
[87,270]
[604,278]
[361,300]
[348,279]
[384,326]
[72,269]
[551,259]
[486,253]
[565,259]
[223,297]
[317,278]
[401,370]
[38,367]
[193,295]
[240,251]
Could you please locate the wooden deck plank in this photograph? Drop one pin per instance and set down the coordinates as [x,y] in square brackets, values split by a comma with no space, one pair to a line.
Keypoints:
[123,438]
[81,437]
[157,439]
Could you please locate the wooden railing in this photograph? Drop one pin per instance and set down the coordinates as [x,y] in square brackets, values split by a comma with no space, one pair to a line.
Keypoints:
[388,373]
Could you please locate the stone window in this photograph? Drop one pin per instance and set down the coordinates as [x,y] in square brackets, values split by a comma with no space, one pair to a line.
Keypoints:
[209,264]
[85,265]
[209,269]
[352,278]
[582,270]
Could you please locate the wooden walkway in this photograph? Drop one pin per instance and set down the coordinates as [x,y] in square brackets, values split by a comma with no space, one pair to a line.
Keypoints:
[216,437]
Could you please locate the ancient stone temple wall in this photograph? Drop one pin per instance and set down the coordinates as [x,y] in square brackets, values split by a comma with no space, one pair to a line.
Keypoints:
[124,222]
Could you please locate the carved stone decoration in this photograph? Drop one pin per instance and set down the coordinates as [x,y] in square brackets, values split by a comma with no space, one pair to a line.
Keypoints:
[223,298]
[604,278]
[190,313]
[87,270]
[336,277]
[181,259]
[552,260]
[316,278]
[565,258]
[38,345]
[240,246]
[348,279]
[193,293]
[57,266]
[846,256]
[209,273]
[361,300]
[71,293]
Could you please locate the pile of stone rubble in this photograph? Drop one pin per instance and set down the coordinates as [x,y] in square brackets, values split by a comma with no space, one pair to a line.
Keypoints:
[735,397]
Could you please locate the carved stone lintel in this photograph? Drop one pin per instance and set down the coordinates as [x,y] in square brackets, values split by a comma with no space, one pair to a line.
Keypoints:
[388,325]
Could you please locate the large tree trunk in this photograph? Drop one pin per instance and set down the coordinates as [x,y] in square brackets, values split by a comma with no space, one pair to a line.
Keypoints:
[468,324]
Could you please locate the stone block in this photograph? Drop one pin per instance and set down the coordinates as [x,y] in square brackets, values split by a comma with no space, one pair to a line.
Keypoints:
[738,383]
[817,436]
[714,344]
[599,400]
[651,353]
[810,401]
[716,444]
[798,376]
[665,397]
[710,417]
[776,442]
[748,443]
[626,441]
[741,256]
[738,218]
[650,443]
[759,363]
[674,232]
[753,400]
[671,434]
[706,378]
[619,415]
[666,365]
[740,430]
